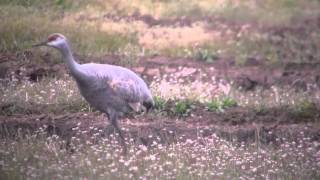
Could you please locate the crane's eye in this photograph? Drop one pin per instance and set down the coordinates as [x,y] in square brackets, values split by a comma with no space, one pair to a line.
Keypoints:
[52,38]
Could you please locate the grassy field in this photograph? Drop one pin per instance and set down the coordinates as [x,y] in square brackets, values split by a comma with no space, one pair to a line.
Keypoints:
[91,34]
[41,157]
[202,32]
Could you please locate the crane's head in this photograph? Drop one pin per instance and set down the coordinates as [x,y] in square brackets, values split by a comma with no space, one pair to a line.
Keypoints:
[55,40]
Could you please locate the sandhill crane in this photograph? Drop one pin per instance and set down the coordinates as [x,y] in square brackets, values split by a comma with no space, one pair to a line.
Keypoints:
[114,90]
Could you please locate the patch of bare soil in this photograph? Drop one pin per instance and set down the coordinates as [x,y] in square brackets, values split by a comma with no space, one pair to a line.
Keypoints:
[237,124]
[301,76]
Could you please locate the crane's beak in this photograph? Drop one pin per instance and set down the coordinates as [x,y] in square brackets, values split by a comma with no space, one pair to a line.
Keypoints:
[40,44]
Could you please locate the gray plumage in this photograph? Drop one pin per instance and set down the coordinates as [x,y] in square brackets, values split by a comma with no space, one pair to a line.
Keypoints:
[111,89]
[107,86]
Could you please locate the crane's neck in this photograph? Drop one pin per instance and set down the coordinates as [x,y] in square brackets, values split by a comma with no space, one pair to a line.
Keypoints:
[73,66]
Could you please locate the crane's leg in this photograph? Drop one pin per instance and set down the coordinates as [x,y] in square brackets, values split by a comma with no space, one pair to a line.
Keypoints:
[113,118]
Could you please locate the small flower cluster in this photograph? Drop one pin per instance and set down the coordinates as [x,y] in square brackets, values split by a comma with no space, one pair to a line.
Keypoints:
[41,156]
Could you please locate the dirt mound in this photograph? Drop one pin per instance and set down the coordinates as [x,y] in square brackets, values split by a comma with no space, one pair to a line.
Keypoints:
[302,76]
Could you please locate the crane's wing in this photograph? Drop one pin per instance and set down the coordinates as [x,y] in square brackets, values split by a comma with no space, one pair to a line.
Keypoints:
[127,90]
[134,92]
[121,84]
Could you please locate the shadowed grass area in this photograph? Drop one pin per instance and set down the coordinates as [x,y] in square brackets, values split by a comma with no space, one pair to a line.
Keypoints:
[45,4]
[21,27]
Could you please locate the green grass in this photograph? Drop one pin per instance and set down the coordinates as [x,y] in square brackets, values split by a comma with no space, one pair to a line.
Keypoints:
[159,103]
[298,43]
[24,26]
[220,104]
[182,108]
[304,109]
[293,45]
[267,12]
[26,22]
[47,96]
[205,52]
[45,4]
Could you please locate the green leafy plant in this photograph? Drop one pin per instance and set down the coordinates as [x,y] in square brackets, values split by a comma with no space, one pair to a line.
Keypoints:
[205,55]
[213,105]
[182,108]
[228,102]
[305,109]
[220,104]
[159,103]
